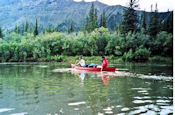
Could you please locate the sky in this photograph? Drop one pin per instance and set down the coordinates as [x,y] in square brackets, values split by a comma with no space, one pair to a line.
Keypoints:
[162,5]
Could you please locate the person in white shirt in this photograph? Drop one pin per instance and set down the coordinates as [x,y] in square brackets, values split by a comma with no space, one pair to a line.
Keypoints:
[81,62]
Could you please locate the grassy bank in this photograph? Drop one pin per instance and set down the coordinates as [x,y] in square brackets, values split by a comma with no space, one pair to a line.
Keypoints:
[98,59]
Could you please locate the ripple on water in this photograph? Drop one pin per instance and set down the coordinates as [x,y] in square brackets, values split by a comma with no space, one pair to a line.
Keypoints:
[118,106]
[139,110]
[120,114]
[152,110]
[162,101]
[42,66]
[144,97]
[125,109]
[6,109]
[76,109]
[166,110]
[100,113]
[142,101]
[76,103]
[23,113]
[108,110]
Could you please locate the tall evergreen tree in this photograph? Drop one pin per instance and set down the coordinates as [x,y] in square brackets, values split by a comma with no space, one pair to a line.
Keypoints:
[71,29]
[153,27]
[36,28]
[1,34]
[26,26]
[103,19]
[143,23]
[95,19]
[16,29]
[23,29]
[87,24]
[57,28]
[31,29]
[130,18]
[91,19]
[168,22]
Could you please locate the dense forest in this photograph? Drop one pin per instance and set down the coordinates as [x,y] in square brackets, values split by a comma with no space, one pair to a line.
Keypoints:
[132,40]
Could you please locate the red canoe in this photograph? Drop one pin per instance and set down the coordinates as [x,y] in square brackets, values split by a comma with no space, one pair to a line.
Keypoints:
[93,69]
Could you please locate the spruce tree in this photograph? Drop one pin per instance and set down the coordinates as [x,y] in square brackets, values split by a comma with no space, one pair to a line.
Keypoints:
[26,26]
[23,29]
[95,19]
[36,28]
[1,34]
[57,29]
[153,27]
[103,19]
[16,29]
[143,23]
[87,24]
[130,18]
[168,22]
[31,29]
[71,29]
[91,19]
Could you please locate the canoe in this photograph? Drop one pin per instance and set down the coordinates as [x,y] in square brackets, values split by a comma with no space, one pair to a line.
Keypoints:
[93,69]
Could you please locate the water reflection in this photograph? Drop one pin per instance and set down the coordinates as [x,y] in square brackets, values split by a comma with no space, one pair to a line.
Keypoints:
[36,89]
[104,75]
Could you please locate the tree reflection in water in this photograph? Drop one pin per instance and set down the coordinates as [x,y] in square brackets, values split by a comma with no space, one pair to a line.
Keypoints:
[103,74]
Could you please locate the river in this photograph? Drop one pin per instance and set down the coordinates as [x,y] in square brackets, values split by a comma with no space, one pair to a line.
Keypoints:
[55,88]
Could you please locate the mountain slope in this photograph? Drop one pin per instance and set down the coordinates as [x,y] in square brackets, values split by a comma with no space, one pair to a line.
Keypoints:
[54,12]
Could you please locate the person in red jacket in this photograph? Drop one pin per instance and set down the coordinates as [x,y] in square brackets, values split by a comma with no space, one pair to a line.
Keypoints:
[104,62]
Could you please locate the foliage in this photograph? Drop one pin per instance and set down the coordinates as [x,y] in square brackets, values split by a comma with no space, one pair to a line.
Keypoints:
[143,27]
[26,26]
[51,46]
[35,33]
[164,44]
[130,20]
[141,54]
[153,27]
[128,56]
[91,20]
[161,59]
[103,19]
[168,23]
[1,35]
[71,29]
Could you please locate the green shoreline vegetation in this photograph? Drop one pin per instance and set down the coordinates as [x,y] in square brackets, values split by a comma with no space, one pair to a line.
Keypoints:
[151,42]
[59,46]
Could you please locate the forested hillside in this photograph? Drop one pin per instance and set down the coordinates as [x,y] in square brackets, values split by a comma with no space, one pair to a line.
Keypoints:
[58,14]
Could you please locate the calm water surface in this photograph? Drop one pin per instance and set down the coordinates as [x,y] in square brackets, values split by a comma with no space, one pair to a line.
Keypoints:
[35,89]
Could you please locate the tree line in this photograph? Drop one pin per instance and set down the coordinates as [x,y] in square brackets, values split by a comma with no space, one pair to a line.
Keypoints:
[133,39]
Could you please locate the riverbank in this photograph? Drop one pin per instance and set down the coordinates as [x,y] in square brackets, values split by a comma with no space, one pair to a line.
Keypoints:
[97,59]
[91,59]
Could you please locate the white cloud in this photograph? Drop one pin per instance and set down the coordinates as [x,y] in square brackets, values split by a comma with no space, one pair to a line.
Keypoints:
[163,5]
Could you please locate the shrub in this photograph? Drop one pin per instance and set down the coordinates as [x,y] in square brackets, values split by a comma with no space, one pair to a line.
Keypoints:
[128,56]
[141,54]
